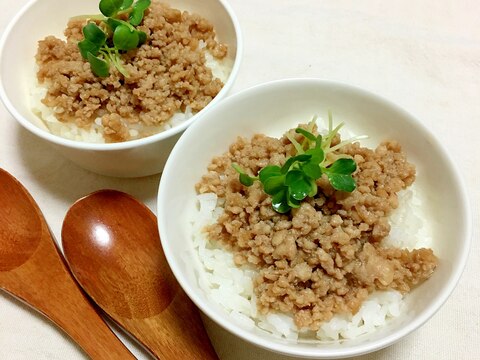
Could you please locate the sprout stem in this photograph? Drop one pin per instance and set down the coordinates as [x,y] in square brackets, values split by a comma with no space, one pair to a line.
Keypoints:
[295,143]
[348,141]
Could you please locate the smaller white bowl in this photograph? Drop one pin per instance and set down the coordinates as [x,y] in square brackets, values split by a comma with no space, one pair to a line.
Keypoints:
[135,158]
[272,109]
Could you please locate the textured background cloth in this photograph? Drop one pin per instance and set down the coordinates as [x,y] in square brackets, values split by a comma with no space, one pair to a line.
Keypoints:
[423,55]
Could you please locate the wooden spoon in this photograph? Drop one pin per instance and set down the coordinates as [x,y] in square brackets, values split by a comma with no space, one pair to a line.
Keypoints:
[33,270]
[111,243]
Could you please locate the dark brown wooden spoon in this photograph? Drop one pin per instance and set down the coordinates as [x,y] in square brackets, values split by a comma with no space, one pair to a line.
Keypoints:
[111,243]
[33,270]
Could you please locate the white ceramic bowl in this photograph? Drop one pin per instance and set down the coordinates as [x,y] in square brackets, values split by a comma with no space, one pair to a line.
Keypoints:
[275,107]
[40,18]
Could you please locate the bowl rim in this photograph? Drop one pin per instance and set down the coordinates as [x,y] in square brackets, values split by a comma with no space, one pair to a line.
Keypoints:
[354,350]
[58,140]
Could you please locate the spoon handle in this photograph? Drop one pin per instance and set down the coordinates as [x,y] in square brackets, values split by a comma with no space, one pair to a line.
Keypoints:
[176,333]
[57,296]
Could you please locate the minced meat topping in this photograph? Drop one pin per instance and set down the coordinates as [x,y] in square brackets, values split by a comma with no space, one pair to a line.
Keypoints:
[325,257]
[167,74]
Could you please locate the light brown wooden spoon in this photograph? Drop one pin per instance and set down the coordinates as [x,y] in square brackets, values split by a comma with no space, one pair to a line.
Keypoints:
[33,270]
[111,243]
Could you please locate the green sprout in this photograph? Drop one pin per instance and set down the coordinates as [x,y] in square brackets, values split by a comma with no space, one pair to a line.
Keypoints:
[290,184]
[102,45]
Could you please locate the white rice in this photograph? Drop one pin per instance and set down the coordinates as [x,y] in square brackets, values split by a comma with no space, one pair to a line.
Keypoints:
[231,287]
[94,134]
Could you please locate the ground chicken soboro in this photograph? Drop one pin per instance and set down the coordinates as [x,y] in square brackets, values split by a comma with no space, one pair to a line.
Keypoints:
[325,257]
[166,74]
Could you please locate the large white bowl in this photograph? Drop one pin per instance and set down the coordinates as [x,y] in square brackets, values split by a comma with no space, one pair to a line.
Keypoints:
[275,107]
[40,18]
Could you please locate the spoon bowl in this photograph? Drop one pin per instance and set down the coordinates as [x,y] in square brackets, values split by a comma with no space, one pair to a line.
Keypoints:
[112,245]
[33,270]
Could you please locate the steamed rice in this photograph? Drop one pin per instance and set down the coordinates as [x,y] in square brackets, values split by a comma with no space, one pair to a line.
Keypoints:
[231,287]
